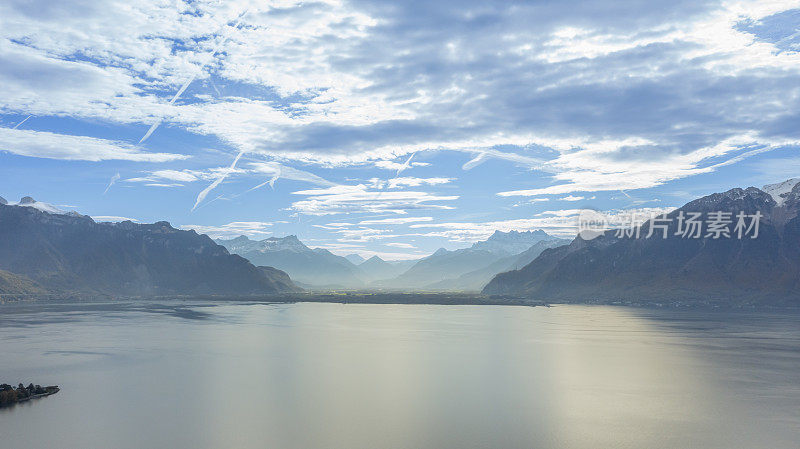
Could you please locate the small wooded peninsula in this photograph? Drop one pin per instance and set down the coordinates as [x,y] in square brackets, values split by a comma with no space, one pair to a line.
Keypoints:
[10,395]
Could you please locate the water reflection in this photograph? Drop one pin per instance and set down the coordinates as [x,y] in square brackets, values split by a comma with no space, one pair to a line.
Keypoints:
[393,376]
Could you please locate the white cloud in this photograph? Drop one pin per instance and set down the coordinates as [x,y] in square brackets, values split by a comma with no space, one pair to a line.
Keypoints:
[394,166]
[234,229]
[358,198]
[111,182]
[605,97]
[561,223]
[43,144]
[277,171]
[170,178]
[400,245]
[220,177]
[395,221]
[416,182]
[178,175]
[112,218]
[594,170]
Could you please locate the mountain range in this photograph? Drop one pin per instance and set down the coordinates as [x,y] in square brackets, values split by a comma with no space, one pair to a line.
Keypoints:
[470,268]
[761,270]
[376,269]
[314,267]
[475,280]
[45,249]
[462,270]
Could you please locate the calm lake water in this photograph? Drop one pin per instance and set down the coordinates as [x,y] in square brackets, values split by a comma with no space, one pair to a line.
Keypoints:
[197,375]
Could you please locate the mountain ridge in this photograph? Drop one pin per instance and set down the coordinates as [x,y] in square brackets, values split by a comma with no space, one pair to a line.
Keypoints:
[443,268]
[728,270]
[316,267]
[72,253]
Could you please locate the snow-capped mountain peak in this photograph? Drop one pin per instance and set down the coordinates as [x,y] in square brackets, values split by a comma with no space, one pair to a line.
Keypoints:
[781,190]
[288,243]
[28,201]
[511,242]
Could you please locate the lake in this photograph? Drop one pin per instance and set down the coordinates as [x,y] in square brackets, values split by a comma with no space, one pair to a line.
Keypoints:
[203,375]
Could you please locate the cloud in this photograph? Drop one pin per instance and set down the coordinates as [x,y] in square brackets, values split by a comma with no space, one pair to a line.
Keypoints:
[395,183]
[112,218]
[646,166]
[486,154]
[333,226]
[391,165]
[172,178]
[178,175]
[362,234]
[400,245]
[416,182]
[561,223]
[405,165]
[358,198]
[395,221]
[608,96]
[114,179]
[44,144]
[23,121]
[220,177]
[278,171]
[575,198]
[233,229]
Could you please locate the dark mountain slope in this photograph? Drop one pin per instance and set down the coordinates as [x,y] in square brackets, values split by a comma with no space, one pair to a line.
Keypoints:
[14,284]
[73,253]
[747,271]
[376,269]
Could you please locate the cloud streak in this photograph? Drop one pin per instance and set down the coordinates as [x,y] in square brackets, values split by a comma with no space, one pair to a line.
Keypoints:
[189,81]
[278,171]
[113,180]
[23,121]
[222,175]
[43,144]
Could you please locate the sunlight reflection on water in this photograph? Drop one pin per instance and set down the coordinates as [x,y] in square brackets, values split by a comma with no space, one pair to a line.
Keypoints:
[400,376]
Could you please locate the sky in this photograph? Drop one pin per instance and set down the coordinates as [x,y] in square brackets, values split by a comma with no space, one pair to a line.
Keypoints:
[393,128]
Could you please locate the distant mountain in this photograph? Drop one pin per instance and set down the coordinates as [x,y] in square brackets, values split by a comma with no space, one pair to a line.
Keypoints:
[765,269]
[355,259]
[477,279]
[376,269]
[780,191]
[511,242]
[443,268]
[72,253]
[316,267]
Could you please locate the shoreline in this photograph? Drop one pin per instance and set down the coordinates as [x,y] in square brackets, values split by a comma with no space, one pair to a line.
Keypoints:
[10,396]
[394,298]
